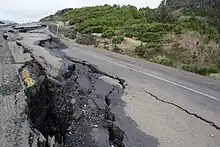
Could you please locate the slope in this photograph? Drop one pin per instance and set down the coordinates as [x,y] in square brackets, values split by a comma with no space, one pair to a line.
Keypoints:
[178,34]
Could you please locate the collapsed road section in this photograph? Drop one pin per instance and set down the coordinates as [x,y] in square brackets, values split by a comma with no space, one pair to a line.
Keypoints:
[68,101]
[70,111]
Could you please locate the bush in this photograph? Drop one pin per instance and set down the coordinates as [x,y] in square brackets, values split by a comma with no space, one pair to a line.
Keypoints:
[203,27]
[148,51]
[178,30]
[189,67]
[72,22]
[199,69]
[108,33]
[218,63]
[212,70]
[140,51]
[93,29]
[166,61]
[163,60]
[119,32]
[117,39]
[151,37]
[128,34]
[216,75]
[116,49]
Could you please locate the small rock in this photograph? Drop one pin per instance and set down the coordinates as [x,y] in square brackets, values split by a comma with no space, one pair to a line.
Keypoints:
[5,35]
[73,101]
[11,31]
[86,40]
[18,43]
[69,128]
[77,115]
[211,135]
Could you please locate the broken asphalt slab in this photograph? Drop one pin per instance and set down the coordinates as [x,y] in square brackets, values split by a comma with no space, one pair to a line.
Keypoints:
[68,101]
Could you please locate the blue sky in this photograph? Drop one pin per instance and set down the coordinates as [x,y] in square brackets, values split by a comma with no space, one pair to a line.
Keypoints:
[33,10]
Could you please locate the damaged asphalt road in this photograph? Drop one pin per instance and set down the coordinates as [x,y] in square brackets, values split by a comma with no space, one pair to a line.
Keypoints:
[58,93]
[71,111]
[67,101]
[69,106]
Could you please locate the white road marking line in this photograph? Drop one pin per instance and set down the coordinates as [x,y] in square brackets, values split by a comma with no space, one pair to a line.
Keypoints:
[153,76]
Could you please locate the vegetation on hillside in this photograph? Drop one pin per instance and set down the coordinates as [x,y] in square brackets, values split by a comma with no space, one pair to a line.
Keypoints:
[179,34]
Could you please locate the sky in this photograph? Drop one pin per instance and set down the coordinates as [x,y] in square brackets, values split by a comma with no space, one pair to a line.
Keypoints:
[33,10]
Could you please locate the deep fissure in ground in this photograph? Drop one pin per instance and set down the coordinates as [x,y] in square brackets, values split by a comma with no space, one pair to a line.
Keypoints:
[69,112]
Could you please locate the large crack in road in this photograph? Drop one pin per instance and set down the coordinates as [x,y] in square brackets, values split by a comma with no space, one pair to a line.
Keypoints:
[73,108]
[54,43]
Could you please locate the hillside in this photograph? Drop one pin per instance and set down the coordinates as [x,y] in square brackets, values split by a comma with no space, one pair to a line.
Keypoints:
[178,34]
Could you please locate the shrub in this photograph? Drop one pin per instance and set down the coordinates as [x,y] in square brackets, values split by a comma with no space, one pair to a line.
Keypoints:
[148,50]
[151,37]
[109,33]
[177,30]
[203,27]
[72,22]
[216,75]
[119,32]
[166,61]
[93,29]
[199,69]
[116,49]
[140,51]
[163,60]
[218,63]
[212,70]
[189,67]
[128,34]
[202,71]
[117,39]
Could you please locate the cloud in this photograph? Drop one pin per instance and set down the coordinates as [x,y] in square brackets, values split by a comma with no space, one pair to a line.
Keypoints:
[33,10]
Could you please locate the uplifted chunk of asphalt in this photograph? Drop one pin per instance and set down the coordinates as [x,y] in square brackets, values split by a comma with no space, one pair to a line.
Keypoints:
[70,103]
[73,112]
[69,110]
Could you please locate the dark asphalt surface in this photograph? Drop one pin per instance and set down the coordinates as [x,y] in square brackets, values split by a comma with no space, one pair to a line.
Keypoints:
[14,125]
[160,106]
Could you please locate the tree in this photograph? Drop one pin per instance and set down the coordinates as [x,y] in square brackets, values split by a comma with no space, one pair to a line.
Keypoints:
[116,6]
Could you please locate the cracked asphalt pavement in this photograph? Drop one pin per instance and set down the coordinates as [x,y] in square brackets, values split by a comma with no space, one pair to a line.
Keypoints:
[57,92]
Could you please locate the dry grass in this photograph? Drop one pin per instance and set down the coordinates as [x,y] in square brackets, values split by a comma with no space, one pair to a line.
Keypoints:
[192,45]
